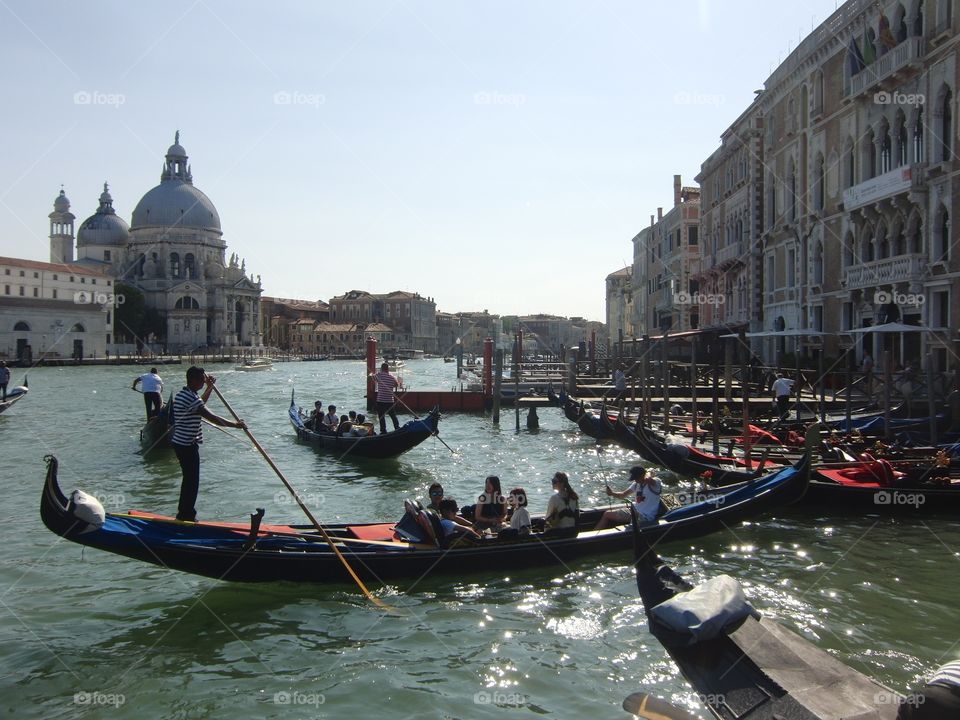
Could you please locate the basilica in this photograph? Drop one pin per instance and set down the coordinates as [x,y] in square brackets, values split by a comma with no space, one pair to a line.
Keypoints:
[173,251]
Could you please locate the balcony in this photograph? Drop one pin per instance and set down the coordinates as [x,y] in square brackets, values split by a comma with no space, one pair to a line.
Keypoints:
[729,255]
[886,66]
[894,182]
[903,268]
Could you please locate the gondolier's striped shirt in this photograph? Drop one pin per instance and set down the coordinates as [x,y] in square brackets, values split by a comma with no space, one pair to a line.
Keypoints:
[187,429]
[385,386]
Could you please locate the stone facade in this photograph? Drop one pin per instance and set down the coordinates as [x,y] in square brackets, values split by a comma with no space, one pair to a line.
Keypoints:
[411,317]
[619,295]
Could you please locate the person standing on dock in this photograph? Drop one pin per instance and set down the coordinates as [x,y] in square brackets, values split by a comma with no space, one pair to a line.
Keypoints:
[620,382]
[152,387]
[386,384]
[189,409]
[4,378]
[782,387]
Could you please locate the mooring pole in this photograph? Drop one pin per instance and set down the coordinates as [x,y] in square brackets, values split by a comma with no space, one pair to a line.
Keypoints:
[371,371]
[497,380]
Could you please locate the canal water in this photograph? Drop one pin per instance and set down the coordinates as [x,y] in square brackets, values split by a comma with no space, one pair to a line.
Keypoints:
[90,634]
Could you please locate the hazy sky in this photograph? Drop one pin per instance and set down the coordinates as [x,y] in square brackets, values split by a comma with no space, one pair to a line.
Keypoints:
[492,155]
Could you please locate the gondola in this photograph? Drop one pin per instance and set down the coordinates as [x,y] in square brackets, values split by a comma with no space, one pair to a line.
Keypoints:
[14,395]
[405,549]
[750,668]
[386,445]
[158,430]
[691,462]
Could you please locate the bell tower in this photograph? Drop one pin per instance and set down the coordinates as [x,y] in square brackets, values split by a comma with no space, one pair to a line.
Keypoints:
[61,230]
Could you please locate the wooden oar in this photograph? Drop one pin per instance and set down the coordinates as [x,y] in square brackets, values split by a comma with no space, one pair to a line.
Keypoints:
[436,433]
[306,510]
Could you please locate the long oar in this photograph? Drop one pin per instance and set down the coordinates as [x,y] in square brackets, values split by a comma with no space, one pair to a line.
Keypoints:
[653,708]
[303,507]
[436,434]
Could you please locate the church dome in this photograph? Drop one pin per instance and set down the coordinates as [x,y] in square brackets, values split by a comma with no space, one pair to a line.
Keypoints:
[175,202]
[104,227]
[61,203]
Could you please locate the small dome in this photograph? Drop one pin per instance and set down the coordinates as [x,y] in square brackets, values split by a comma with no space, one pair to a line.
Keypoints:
[62,202]
[176,150]
[104,227]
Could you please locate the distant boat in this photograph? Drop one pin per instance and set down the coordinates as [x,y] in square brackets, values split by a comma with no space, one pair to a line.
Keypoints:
[396,364]
[254,365]
[448,359]
[158,430]
[14,395]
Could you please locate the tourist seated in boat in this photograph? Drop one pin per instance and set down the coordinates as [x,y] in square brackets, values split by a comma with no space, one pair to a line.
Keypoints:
[331,419]
[360,427]
[344,426]
[436,495]
[490,511]
[519,524]
[564,505]
[453,525]
[645,489]
[316,417]
[353,416]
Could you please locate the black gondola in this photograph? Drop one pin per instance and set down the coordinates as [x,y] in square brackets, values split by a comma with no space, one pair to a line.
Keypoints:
[384,445]
[158,430]
[756,669]
[14,395]
[259,553]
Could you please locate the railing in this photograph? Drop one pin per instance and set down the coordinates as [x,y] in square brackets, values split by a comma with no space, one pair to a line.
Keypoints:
[908,51]
[889,270]
[730,253]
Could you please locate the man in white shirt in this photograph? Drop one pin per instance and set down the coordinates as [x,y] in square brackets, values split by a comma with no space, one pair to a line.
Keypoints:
[782,387]
[151,386]
[646,490]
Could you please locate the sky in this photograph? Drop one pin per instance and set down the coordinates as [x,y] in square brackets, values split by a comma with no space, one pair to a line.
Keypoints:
[494,156]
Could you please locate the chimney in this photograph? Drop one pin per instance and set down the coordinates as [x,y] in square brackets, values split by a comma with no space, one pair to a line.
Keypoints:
[676,190]
[651,221]
[659,214]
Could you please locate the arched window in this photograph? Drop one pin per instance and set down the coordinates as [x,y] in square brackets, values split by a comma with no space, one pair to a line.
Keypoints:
[900,142]
[918,156]
[848,249]
[897,244]
[818,263]
[804,106]
[899,28]
[918,19]
[77,327]
[818,92]
[189,267]
[915,234]
[174,265]
[945,125]
[849,164]
[869,155]
[140,263]
[941,235]
[186,303]
[886,148]
[21,326]
[792,190]
[819,183]
[883,249]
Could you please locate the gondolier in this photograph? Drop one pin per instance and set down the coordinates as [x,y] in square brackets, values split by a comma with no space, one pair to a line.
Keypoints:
[4,378]
[782,388]
[189,409]
[151,386]
[386,384]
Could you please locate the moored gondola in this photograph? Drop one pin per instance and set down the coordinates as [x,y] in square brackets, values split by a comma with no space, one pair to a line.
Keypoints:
[408,548]
[381,446]
[743,666]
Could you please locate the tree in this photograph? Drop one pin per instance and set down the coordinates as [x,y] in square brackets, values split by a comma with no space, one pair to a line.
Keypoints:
[134,322]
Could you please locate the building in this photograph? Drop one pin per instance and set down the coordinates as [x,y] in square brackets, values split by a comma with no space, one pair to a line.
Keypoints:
[411,317]
[671,249]
[728,276]
[471,329]
[173,252]
[278,315]
[619,294]
[859,141]
[54,310]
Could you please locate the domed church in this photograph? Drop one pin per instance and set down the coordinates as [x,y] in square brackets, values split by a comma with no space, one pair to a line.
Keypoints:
[174,252]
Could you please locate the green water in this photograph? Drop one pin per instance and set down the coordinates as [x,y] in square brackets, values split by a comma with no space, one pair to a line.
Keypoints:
[90,634]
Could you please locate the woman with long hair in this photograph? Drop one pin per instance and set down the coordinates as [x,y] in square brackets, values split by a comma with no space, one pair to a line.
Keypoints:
[491,509]
[564,504]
